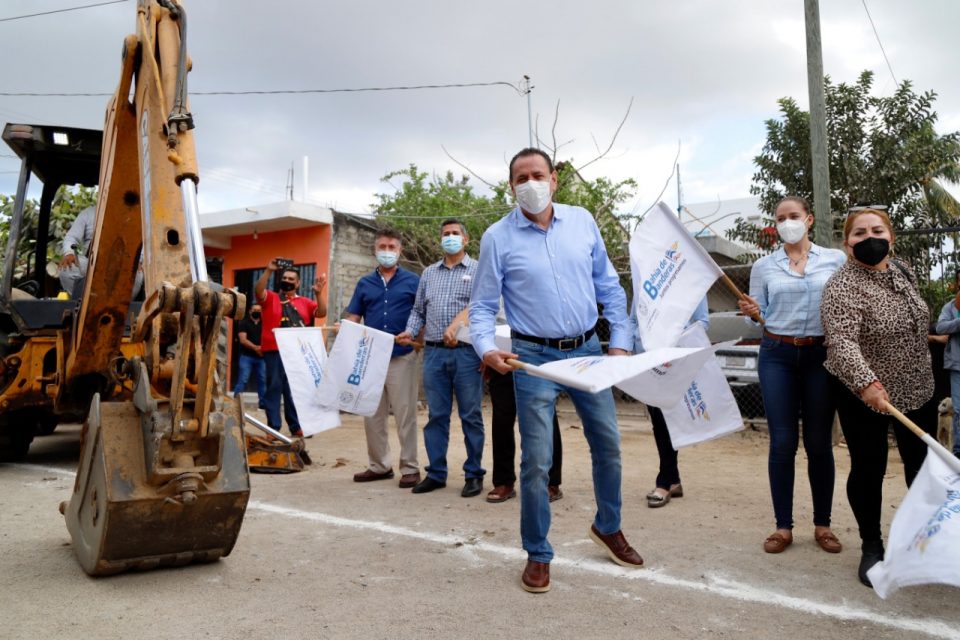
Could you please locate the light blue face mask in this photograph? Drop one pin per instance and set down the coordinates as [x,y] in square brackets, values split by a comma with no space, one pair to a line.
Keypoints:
[387,258]
[452,244]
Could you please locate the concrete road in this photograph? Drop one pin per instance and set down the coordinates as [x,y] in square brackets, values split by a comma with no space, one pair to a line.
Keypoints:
[320,556]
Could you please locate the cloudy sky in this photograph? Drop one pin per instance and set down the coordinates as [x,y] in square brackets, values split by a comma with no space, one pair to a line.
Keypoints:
[702,74]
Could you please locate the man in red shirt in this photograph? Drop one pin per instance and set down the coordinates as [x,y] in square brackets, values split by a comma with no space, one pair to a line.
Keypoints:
[279,311]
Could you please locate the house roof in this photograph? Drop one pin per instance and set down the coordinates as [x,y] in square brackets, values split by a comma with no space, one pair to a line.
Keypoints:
[219,226]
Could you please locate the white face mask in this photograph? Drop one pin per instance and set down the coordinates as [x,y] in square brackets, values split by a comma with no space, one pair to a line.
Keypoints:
[792,231]
[532,196]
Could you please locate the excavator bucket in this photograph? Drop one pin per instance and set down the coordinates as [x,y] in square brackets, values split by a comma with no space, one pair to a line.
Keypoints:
[120,520]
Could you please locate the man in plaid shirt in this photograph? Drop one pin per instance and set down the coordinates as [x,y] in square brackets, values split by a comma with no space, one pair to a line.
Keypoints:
[449,366]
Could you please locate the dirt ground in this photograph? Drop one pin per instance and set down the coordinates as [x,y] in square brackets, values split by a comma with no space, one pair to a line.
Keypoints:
[320,556]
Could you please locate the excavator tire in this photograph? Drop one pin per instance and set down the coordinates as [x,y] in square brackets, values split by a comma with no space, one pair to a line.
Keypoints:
[17,429]
[119,522]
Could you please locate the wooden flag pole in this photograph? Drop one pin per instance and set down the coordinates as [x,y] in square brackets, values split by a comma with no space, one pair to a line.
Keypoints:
[724,277]
[932,444]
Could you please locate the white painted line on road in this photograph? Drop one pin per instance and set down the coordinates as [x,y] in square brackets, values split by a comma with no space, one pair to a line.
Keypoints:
[717,585]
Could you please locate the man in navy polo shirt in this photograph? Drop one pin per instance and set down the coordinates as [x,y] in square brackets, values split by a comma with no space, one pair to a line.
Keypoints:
[383,300]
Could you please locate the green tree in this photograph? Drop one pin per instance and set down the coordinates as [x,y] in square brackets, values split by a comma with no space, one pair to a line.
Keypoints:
[67,203]
[421,202]
[882,150]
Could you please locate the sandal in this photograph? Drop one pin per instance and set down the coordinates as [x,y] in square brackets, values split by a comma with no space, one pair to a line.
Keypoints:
[655,500]
[776,543]
[828,542]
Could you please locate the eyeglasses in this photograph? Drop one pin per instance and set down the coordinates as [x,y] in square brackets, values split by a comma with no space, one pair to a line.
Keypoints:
[864,207]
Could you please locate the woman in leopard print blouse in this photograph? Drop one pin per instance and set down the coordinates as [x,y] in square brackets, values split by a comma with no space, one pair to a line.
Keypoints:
[875,324]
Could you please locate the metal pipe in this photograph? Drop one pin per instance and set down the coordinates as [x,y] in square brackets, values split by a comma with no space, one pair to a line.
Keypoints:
[16,225]
[198,260]
[268,430]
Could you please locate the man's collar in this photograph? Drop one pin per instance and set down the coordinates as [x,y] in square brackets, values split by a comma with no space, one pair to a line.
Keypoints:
[466,261]
[521,220]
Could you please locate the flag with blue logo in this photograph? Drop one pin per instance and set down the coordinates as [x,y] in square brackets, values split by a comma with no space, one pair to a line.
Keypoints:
[671,274]
[356,369]
[924,544]
[304,357]
[707,409]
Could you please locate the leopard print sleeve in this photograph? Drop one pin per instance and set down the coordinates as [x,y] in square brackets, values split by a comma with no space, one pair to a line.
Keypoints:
[842,316]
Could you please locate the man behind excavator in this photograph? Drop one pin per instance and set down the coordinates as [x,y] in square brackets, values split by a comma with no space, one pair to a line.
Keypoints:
[280,311]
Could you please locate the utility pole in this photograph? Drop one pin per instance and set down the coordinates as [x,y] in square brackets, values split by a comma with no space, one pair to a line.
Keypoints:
[679,195]
[823,229]
[526,88]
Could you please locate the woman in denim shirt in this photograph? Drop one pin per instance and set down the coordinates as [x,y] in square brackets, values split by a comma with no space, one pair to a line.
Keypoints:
[785,290]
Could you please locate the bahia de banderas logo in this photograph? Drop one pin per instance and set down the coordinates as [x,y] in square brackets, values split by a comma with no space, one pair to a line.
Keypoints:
[946,513]
[659,282]
[311,360]
[360,360]
[695,404]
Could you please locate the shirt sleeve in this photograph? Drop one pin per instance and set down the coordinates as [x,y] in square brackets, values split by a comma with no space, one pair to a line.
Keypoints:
[418,313]
[841,326]
[948,322]
[80,232]
[758,291]
[356,306]
[610,294]
[485,299]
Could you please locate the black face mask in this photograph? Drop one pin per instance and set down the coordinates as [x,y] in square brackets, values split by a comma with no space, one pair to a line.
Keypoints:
[871,251]
[255,315]
[287,286]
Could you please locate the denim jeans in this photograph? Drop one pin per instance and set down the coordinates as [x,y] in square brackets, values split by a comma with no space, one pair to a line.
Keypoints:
[247,365]
[447,372]
[536,399]
[795,385]
[955,397]
[503,403]
[277,386]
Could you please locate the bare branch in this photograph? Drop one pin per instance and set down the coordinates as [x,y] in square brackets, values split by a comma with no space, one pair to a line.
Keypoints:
[612,140]
[673,170]
[553,130]
[466,168]
[595,145]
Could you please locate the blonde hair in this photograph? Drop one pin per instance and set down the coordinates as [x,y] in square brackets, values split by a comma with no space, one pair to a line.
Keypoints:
[884,218]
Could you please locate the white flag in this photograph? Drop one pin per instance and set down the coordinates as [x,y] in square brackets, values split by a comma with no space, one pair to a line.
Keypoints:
[924,546]
[596,373]
[304,356]
[671,274]
[501,337]
[356,369]
[707,409]
[663,385]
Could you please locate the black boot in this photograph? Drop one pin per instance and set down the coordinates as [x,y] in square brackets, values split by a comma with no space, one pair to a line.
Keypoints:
[872,553]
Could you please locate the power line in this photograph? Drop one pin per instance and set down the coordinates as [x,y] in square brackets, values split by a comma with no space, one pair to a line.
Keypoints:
[877,35]
[46,13]
[269,92]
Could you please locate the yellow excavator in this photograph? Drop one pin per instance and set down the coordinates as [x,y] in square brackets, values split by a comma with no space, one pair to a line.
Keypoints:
[163,477]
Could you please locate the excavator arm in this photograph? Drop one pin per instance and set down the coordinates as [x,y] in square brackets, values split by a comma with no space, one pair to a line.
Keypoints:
[163,475]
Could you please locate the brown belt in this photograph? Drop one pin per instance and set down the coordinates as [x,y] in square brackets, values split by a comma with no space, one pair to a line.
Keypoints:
[806,341]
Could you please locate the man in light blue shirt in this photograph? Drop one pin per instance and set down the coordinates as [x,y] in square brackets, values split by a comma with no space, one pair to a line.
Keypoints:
[549,263]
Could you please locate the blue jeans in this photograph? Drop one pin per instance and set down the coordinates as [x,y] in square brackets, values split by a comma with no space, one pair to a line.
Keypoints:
[447,372]
[536,398]
[955,397]
[795,385]
[278,386]
[247,365]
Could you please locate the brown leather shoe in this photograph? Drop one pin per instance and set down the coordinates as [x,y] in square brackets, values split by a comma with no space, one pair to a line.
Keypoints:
[370,476]
[536,577]
[777,542]
[555,493]
[408,480]
[501,493]
[828,542]
[617,548]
